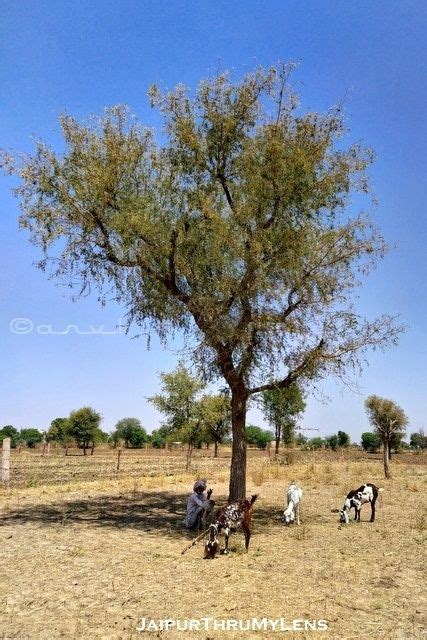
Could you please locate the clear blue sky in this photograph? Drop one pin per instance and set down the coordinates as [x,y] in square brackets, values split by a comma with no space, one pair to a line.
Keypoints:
[80,56]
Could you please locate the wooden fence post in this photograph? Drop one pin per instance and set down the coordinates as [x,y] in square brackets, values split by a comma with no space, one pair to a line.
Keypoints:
[119,453]
[5,455]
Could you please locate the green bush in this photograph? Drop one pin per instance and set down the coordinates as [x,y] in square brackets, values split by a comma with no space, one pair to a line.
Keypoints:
[31,437]
[258,437]
[370,441]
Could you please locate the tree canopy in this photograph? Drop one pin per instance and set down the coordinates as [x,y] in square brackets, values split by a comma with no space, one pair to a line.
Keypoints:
[179,396]
[131,432]
[83,426]
[216,417]
[282,408]
[370,441]
[389,421]
[233,229]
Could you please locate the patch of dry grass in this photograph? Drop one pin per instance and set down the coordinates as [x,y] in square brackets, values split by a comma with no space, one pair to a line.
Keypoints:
[86,552]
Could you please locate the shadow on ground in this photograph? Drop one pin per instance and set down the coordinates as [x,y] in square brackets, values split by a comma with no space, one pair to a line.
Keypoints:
[161,511]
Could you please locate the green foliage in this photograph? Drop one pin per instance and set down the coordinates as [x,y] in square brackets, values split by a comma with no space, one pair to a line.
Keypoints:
[258,437]
[131,432]
[31,437]
[340,439]
[58,431]
[83,426]
[301,439]
[159,437]
[343,439]
[178,398]
[418,440]
[331,442]
[370,441]
[315,443]
[396,441]
[282,407]
[233,231]
[102,436]
[232,228]
[215,415]
[10,432]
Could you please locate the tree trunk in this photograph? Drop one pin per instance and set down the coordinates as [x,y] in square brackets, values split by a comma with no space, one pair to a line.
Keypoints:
[189,453]
[84,449]
[389,453]
[386,459]
[278,434]
[216,449]
[238,455]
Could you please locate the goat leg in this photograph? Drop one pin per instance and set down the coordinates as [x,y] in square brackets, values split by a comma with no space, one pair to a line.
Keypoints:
[226,536]
[247,532]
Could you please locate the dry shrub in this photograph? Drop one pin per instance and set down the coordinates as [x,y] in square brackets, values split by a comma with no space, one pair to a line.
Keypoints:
[290,457]
[277,469]
[311,471]
[258,476]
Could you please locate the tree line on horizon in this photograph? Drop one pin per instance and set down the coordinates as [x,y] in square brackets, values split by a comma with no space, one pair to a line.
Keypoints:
[196,418]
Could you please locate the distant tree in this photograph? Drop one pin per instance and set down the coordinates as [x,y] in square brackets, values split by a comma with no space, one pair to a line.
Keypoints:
[301,439]
[159,437]
[331,442]
[192,433]
[370,441]
[230,230]
[258,437]
[131,432]
[216,417]
[83,427]
[103,436]
[343,439]
[31,437]
[180,391]
[59,432]
[396,442]
[10,432]
[418,440]
[388,419]
[282,407]
[315,443]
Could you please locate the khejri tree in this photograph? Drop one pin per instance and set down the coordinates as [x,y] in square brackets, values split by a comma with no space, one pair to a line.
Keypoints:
[232,227]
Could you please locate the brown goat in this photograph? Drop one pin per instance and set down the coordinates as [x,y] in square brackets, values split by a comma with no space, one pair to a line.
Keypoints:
[228,520]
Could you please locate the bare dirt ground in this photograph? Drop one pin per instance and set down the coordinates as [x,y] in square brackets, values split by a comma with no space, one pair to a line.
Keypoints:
[86,552]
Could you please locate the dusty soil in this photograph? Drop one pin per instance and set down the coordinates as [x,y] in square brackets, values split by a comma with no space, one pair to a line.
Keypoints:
[87,552]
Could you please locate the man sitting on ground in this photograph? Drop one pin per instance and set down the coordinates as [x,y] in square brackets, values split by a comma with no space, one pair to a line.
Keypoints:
[198,505]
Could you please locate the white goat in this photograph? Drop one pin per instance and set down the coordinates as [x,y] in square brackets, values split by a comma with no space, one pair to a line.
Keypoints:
[293,499]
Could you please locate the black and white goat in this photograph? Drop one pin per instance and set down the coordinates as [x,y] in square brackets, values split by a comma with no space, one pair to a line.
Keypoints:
[293,499]
[227,520]
[356,498]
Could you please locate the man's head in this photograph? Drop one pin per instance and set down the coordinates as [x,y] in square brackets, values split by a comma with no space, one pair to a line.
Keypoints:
[200,486]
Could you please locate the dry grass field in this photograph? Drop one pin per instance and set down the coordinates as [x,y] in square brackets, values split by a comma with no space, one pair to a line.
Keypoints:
[86,551]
